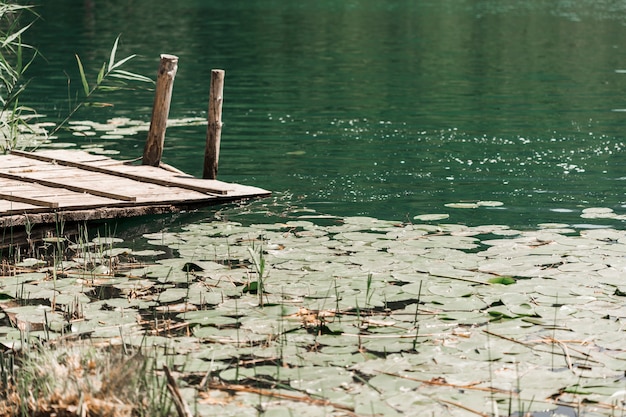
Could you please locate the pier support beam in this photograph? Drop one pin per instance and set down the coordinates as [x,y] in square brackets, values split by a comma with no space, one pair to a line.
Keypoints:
[214,127]
[162,97]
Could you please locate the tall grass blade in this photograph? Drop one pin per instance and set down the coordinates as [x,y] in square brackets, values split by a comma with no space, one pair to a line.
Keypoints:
[11,38]
[113,52]
[101,74]
[130,76]
[83,78]
[18,59]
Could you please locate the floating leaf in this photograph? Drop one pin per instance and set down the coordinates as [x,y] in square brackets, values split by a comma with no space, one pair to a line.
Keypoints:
[106,240]
[620,292]
[490,203]
[431,217]
[502,280]
[462,205]
[30,262]
[597,210]
[252,287]
[148,253]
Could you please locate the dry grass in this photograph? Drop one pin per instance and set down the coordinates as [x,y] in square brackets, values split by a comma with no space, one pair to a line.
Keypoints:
[80,380]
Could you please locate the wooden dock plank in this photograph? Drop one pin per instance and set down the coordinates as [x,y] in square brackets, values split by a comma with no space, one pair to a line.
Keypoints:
[76,185]
[141,192]
[71,183]
[63,154]
[141,173]
[28,200]
[48,195]
[10,207]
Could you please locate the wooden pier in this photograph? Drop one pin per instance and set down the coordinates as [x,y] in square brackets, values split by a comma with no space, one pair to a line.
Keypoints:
[67,186]
[50,186]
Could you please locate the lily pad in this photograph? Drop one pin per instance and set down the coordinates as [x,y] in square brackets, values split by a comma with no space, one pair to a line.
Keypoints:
[490,203]
[431,217]
[319,381]
[504,280]
[462,205]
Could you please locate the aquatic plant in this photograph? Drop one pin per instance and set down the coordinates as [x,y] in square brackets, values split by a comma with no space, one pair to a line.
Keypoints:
[15,59]
[81,379]
[110,77]
[258,260]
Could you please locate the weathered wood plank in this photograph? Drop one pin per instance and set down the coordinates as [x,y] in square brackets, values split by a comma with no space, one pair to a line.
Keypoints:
[73,155]
[9,208]
[33,201]
[38,192]
[144,173]
[59,184]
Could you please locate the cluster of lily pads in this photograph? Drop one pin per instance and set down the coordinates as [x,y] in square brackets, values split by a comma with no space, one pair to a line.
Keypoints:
[121,127]
[36,134]
[319,315]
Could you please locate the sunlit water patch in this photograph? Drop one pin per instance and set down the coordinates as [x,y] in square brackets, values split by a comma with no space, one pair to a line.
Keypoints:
[398,163]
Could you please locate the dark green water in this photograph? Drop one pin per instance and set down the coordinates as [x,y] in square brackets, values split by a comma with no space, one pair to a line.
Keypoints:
[369,107]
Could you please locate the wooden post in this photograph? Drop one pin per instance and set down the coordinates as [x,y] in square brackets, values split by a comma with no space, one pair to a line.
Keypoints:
[214,128]
[162,97]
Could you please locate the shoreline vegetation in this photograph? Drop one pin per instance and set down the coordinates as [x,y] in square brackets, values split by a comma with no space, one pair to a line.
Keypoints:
[319,314]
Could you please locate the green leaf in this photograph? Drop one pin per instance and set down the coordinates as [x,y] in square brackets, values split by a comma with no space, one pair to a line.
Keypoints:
[113,51]
[18,58]
[251,287]
[499,315]
[101,74]
[15,35]
[109,88]
[98,104]
[130,76]
[502,280]
[83,78]
[121,62]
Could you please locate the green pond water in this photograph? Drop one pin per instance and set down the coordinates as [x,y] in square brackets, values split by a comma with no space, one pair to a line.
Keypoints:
[388,109]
